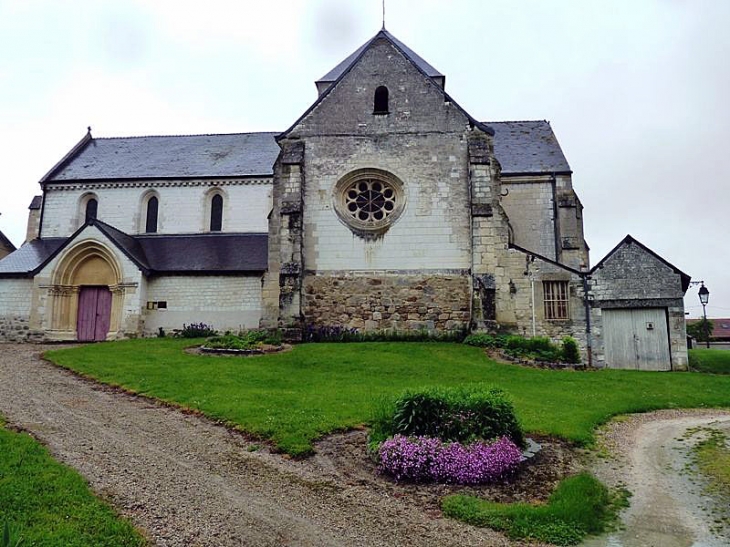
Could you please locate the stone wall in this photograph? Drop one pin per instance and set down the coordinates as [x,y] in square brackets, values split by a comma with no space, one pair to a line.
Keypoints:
[224,302]
[183,205]
[529,205]
[519,279]
[388,300]
[15,312]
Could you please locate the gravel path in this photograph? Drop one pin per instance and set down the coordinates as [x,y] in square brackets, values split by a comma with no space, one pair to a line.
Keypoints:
[649,456]
[187,482]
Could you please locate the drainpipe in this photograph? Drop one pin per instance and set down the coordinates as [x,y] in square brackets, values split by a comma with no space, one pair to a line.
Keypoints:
[532,289]
[589,336]
[556,224]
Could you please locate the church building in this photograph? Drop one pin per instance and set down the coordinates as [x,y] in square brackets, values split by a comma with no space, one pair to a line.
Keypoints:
[385,206]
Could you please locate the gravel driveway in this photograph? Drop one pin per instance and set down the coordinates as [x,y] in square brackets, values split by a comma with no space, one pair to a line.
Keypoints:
[188,482]
[651,456]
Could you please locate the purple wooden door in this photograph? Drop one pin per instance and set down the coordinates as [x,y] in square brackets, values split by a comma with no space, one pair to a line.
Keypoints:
[95,307]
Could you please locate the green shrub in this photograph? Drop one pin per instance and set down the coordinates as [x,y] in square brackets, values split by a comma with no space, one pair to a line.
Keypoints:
[196,330]
[580,506]
[245,340]
[539,348]
[484,340]
[461,414]
[570,352]
[337,333]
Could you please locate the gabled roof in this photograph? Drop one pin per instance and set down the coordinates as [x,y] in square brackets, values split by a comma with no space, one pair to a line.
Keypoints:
[528,147]
[522,148]
[5,242]
[629,240]
[415,60]
[173,156]
[340,69]
[212,253]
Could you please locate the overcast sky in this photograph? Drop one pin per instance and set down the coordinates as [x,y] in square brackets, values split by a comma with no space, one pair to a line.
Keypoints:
[637,91]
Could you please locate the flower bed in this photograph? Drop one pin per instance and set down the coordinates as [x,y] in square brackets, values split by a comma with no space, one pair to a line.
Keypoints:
[428,459]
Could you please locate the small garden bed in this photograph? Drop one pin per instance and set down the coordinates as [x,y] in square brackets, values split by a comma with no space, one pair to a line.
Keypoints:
[249,342]
[538,351]
[461,435]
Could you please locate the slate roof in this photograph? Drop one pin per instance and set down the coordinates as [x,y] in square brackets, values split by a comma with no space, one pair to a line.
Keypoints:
[6,242]
[206,253]
[528,147]
[30,256]
[340,69]
[36,202]
[522,147]
[178,156]
[215,253]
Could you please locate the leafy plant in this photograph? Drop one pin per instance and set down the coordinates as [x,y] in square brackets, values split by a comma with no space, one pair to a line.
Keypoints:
[460,414]
[570,352]
[484,340]
[245,340]
[196,330]
[701,330]
[337,333]
[539,348]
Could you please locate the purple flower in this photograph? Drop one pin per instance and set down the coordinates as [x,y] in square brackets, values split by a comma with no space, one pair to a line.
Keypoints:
[425,459]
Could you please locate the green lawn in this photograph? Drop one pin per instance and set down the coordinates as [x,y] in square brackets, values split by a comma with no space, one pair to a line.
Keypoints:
[47,504]
[716,361]
[580,506]
[292,398]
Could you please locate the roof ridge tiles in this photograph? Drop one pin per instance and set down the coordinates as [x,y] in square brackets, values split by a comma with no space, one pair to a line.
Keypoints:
[191,135]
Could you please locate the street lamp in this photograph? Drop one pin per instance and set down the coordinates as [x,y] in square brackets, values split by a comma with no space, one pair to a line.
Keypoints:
[704,295]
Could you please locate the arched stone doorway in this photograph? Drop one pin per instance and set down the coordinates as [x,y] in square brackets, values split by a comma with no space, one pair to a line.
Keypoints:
[86,294]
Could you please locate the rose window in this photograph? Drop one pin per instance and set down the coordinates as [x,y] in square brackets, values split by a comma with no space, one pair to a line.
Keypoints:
[368,201]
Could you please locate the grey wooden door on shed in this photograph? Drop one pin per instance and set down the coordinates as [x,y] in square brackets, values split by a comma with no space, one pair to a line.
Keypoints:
[636,339]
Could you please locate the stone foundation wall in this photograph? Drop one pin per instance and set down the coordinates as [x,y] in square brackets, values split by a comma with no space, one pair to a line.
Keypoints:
[16,328]
[379,301]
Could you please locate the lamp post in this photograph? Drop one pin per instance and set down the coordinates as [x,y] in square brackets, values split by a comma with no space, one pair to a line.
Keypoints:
[704,295]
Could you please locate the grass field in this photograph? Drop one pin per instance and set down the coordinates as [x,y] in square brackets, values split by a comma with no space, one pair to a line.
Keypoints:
[716,361]
[46,504]
[295,397]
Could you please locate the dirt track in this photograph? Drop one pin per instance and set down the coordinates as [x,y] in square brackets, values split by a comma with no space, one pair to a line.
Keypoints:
[650,454]
[187,482]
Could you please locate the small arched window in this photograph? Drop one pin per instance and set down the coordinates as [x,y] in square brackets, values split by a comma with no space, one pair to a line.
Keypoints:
[153,205]
[381,100]
[92,207]
[216,213]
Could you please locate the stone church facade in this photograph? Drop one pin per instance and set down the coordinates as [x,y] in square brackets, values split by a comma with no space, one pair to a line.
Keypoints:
[385,206]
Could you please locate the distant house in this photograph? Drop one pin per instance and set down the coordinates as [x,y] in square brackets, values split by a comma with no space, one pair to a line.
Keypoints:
[6,246]
[720,328]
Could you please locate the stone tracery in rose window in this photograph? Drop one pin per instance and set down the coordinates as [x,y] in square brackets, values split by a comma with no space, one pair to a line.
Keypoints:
[368,201]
